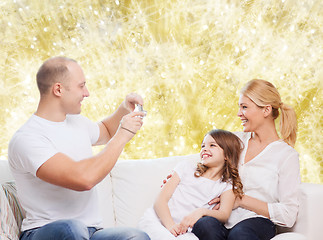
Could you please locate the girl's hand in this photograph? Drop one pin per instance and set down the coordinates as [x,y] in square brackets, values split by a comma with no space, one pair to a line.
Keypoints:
[192,218]
[176,230]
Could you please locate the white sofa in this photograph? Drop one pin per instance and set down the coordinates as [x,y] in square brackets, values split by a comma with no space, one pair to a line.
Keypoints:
[132,186]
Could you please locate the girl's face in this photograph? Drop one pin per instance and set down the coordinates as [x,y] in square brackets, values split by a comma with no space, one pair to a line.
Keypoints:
[250,114]
[211,154]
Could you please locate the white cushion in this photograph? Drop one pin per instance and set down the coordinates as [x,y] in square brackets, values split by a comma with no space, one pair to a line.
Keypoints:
[5,173]
[309,220]
[106,202]
[289,236]
[136,184]
[8,225]
[310,212]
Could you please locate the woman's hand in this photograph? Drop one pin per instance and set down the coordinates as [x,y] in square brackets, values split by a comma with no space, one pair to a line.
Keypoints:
[165,180]
[237,203]
[215,201]
[252,204]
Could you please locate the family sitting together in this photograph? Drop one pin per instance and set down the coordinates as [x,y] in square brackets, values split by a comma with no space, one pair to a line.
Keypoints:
[244,185]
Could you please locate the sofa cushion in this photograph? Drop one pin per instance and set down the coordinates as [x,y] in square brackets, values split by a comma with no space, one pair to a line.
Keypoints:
[8,226]
[5,173]
[309,220]
[289,236]
[106,202]
[133,193]
[10,190]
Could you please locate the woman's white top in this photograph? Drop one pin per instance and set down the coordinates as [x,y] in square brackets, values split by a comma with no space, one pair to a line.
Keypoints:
[273,176]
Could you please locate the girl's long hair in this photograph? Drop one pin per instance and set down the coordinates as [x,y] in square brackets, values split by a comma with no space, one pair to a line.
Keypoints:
[232,147]
[264,93]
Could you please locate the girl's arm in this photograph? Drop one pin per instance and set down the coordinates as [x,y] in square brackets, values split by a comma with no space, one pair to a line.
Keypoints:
[227,200]
[247,202]
[161,203]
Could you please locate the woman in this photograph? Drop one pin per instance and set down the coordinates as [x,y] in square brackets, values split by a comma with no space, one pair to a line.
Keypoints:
[269,169]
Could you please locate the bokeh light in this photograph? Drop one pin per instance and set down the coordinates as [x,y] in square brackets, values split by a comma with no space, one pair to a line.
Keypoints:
[187,58]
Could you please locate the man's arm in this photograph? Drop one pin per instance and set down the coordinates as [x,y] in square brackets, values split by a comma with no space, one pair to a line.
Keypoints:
[110,124]
[63,171]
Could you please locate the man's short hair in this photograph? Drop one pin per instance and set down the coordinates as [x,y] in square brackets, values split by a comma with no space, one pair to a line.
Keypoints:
[52,71]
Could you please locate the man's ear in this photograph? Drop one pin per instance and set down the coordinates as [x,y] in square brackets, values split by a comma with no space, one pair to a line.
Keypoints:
[57,89]
[267,110]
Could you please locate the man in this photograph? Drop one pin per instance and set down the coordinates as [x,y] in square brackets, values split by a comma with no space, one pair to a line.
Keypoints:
[52,162]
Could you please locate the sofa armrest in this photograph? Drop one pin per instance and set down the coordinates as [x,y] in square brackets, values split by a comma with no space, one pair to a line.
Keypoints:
[290,236]
[310,212]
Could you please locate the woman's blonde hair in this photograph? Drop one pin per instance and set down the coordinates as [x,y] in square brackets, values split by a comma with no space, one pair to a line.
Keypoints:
[232,147]
[264,93]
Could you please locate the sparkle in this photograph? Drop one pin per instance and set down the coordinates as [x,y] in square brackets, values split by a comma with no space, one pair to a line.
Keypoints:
[188,59]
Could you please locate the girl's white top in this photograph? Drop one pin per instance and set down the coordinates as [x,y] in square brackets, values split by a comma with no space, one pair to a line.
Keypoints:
[193,192]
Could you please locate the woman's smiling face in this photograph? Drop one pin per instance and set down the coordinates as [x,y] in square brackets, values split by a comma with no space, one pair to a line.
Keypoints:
[250,114]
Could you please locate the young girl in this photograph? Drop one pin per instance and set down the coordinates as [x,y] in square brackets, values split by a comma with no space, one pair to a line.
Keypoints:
[184,198]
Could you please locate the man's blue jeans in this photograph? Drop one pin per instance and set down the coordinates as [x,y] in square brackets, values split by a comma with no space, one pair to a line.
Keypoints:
[258,228]
[75,230]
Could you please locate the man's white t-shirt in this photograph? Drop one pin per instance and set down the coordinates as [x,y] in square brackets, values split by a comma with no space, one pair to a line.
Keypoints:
[32,145]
